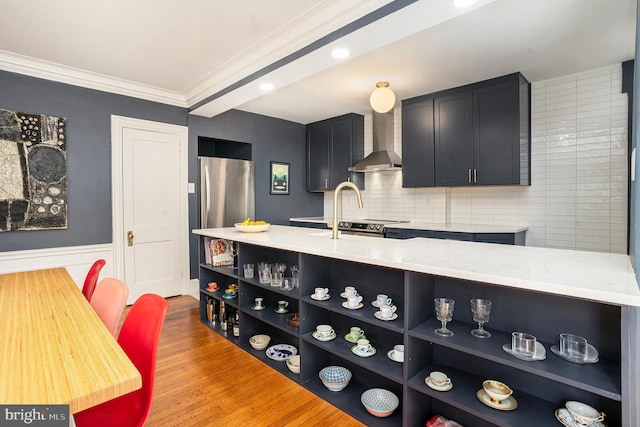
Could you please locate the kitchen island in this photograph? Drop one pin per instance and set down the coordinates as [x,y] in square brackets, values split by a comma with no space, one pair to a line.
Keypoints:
[540,291]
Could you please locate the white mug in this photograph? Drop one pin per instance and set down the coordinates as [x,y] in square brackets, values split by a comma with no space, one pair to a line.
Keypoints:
[398,353]
[364,345]
[321,292]
[324,330]
[353,301]
[439,378]
[386,311]
[383,299]
[350,291]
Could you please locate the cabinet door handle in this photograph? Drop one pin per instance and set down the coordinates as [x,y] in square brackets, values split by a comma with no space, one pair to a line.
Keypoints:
[469,175]
[475,175]
[326,183]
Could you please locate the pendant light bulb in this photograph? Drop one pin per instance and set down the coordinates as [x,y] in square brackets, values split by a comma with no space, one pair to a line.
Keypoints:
[382,99]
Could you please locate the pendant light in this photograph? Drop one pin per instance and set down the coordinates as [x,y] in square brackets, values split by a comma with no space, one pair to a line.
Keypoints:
[382,99]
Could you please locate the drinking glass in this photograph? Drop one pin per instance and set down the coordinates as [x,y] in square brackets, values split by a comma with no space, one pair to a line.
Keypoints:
[444,313]
[481,309]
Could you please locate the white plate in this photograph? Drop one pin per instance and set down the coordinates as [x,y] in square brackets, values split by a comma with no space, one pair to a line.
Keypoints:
[347,306]
[432,385]
[326,297]
[262,307]
[592,355]
[564,416]
[350,339]
[319,337]
[284,310]
[509,404]
[378,315]
[390,354]
[356,350]
[540,354]
[281,352]
[251,228]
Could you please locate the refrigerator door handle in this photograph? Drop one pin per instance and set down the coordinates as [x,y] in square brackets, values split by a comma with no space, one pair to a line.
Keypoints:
[207,186]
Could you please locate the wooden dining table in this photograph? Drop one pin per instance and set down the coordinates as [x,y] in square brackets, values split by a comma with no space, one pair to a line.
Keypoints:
[54,349]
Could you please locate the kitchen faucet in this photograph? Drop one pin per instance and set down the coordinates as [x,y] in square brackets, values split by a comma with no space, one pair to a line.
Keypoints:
[334,221]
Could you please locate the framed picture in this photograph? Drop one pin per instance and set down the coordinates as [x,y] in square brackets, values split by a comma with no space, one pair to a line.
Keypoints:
[279,178]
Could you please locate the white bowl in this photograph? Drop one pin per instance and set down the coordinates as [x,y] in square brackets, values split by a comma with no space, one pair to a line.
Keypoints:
[251,228]
[379,402]
[293,363]
[259,342]
[335,378]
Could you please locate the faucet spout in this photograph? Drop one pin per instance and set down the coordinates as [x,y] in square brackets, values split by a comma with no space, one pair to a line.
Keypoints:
[335,220]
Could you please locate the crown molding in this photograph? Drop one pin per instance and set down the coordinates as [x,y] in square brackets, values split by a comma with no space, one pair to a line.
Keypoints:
[51,71]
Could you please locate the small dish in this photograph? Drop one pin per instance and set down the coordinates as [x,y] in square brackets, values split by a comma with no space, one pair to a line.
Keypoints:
[375,303]
[251,228]
[379,316]
[227,296]
[444,387]
[281,311]
[347,306]
[390,355]
[541,353]
[509,404]
[258,307]
[293,320]
[259,342]
[592,355]
[564,416]
[293,363]
[317,298]
[349,338]
[356,350]
[319,337]
[281,352]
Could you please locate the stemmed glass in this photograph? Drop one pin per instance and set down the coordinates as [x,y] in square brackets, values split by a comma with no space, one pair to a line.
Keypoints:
[444,313]
[481,309]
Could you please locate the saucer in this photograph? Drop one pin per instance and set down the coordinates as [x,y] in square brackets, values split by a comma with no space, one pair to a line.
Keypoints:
[375,303]
[344,295]
[356,350]
[509,404]
[232,296]
[379,316]
[319,337]
[390,354]
[258,308]
[592,355]
[212,290]
[317,298]
[284,310]
[348,338]
[564,416]
[347,306]
[540,354]
[432,385]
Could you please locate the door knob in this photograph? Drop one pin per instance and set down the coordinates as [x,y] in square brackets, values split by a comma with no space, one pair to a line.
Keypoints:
[130,238]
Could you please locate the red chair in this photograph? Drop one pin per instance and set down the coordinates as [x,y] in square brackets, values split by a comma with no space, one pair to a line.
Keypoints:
[108,301]
[92,279]
[139,338]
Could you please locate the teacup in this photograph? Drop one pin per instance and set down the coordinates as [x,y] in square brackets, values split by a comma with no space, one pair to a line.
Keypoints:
[524,344]
[383,299]
[439,379]
[212,286]
[282,305]
[398,353]
[353,301]
[386,311]
[257,303]
[350,291]
[573,345]
[496,390]
[229,291]
[321,292]
[324,330]
[364,345]
[583,413]
[356,333]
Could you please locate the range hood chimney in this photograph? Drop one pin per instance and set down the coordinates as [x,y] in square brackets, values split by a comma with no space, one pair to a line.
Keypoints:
[383,157]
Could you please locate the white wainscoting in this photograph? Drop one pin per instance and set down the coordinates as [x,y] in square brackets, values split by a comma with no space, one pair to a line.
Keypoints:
[76,259]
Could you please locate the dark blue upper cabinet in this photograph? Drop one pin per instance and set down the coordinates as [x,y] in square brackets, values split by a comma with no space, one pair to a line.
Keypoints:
[479,135]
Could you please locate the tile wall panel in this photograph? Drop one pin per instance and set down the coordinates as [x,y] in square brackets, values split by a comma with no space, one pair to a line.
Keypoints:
[578,193]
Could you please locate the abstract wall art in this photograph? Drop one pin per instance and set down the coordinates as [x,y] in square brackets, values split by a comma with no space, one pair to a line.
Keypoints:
[33,171]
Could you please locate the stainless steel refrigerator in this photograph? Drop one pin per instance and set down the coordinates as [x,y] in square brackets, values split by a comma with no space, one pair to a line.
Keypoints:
[227,193]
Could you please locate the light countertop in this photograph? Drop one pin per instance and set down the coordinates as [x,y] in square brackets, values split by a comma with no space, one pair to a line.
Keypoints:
[596,276]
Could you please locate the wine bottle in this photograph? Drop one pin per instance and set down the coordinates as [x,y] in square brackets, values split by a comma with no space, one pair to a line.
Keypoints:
[236,324]
[223,317]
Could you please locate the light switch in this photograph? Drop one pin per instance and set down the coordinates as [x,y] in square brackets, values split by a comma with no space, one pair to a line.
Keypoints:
[192,188]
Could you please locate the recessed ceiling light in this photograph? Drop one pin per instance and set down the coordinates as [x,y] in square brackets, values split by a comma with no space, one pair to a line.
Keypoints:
[266,86]
[463,3]
[340,53]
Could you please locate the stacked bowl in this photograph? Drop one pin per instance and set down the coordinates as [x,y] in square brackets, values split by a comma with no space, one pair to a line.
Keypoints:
[335,378]
[379,402]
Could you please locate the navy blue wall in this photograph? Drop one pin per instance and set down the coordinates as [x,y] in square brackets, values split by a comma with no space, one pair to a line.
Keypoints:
[88,113]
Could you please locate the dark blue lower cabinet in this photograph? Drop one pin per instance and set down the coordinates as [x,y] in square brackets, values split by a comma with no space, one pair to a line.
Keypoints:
[517,239]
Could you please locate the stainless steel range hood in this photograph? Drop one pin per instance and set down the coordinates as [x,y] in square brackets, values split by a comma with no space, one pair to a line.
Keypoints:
[383,157]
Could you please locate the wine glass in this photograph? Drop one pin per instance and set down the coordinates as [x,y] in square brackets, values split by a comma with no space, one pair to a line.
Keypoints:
[481,309]
[444,313]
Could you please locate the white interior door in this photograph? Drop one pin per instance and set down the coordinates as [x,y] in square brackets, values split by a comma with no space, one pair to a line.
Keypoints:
[151,237]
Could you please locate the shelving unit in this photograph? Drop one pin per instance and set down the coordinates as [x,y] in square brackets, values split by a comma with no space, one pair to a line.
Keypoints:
[540,387]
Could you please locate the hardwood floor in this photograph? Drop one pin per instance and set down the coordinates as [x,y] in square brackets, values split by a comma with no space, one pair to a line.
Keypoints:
[204,380]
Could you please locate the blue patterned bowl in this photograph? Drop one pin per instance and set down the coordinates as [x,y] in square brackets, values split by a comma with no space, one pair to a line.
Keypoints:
[335,378]
[379,402]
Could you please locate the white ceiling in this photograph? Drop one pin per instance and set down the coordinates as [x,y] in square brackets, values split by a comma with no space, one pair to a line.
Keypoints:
[183,53]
